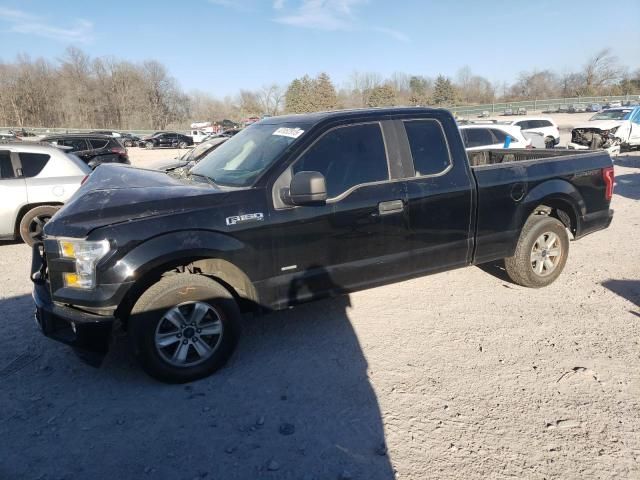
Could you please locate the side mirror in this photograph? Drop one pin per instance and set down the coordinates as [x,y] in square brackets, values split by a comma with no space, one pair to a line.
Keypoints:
[308,188]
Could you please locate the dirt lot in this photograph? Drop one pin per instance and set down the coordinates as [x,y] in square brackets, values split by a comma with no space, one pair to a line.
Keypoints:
[457,375]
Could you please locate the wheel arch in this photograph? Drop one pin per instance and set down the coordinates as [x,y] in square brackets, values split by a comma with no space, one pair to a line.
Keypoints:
[556,198]
[28,206]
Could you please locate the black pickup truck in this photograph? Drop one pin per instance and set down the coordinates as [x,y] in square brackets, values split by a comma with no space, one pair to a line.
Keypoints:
[296,208]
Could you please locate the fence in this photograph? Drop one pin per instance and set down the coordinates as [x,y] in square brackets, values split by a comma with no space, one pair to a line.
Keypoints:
[543,105]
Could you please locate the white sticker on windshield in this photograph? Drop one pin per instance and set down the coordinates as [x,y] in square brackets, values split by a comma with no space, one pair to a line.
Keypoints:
[288,132]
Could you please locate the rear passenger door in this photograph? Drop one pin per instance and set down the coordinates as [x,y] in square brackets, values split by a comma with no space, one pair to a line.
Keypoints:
[13,193]
[479,139]
[439,199]
[359,237]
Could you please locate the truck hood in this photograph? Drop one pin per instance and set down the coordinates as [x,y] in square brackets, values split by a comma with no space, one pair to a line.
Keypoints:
[601,124]
[116,193]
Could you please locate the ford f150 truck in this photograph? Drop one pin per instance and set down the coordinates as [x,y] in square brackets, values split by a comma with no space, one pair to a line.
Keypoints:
[296,208]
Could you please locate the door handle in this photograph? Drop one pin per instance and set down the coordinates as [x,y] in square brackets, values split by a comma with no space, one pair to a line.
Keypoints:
[392,206]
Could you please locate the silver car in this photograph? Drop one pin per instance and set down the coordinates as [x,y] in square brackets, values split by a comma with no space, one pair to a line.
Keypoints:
[35,180]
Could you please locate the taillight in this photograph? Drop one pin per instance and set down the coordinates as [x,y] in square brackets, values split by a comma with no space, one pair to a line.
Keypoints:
[119,151]
[86,177]
[608,177]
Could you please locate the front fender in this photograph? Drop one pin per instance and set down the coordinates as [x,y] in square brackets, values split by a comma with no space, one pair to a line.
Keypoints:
[166,249]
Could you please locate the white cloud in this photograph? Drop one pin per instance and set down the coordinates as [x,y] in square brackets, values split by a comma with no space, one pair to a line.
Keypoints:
[332,15]
[278,4]
[25,23]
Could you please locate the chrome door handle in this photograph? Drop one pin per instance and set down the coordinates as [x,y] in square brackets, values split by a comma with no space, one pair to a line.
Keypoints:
[392,206]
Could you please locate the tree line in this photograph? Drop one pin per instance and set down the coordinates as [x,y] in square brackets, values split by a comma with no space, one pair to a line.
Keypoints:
[77,91]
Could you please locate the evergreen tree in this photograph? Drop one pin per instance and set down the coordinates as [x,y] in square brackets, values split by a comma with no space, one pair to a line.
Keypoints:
[325,97]
[443,91]
[292,97]
[382,96]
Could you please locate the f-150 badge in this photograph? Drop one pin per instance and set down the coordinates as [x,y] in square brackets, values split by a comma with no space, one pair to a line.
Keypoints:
[248,217]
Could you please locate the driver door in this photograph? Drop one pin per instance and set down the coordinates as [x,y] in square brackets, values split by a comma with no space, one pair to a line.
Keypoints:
[359,236]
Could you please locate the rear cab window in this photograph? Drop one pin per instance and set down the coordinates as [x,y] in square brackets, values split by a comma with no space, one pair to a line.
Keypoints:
[428,146]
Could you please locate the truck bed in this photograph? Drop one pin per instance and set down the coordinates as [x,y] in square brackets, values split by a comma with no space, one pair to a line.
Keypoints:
[491,157]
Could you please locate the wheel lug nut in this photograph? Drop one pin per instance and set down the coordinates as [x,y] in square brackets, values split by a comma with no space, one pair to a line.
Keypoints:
[185,341]
[199,330]
[179,335]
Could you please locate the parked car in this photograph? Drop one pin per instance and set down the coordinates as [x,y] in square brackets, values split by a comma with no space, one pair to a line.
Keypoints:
[615,104]
[507,112]
[126,139]
[7,136]
[191,157]
[93,149]
[484,114]
[296,208]
[35,180]
[198,135]
[577,108]
[491,136]
[609,129]
[564,108]
[166,139]
[631,103]
[543,125]
[594,107]
[522,111]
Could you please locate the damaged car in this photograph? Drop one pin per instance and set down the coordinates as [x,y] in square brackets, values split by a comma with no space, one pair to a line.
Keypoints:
[608,130]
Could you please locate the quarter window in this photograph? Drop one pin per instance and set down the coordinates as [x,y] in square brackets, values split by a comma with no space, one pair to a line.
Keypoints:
[428,146]
[98,143]
[347,156]
[500,136]
[76,144]
[33,163]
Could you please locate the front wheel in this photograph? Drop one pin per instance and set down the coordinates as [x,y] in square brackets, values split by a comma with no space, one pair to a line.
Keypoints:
[184,327]
[148,145]
[541,253]
[182,145]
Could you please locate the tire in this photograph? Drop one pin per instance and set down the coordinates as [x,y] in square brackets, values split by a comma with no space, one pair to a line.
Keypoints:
[549,142]
[534,243]
[33,222]
[155,320]
[182,145]
[148,145]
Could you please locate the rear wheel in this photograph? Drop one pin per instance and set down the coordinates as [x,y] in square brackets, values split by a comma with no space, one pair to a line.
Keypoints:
[148,145]
[549,142]
[32,223]
[183,145]
[541,253]
[184,327]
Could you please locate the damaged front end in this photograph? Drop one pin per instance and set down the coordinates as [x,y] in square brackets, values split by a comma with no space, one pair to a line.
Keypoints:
[595,139]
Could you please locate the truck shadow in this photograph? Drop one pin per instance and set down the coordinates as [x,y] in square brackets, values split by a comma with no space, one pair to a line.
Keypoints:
[295,401]
[628,186]
[497,270]
[627,289]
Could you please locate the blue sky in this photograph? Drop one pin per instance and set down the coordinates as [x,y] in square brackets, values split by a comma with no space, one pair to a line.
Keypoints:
[220,46]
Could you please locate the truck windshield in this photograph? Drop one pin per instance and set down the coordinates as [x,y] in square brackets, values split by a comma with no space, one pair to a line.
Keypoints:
[240,160]
[612,115]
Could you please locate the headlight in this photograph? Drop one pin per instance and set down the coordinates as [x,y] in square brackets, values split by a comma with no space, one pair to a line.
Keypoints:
[86,254]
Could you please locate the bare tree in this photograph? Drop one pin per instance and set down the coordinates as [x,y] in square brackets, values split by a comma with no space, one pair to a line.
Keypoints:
[601,70]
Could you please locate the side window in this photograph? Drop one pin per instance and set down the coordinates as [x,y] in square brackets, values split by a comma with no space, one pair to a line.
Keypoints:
[478,137]
[76,144]
[347,156]
[6,169]
[98,142]
[499,135]
[32,163]
[428,146]
[543,124]
[525,125]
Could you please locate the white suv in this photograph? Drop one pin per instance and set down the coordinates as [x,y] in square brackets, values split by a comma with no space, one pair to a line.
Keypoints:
[482,136]
[541,125]
[35,180]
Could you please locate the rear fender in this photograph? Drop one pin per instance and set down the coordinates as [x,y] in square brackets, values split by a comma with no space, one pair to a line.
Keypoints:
[558,194]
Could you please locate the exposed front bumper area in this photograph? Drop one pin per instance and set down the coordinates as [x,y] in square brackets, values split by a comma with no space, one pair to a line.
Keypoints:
[88,333]
[613,150]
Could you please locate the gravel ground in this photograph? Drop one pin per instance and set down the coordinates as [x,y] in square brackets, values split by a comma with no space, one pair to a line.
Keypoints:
[457,375]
